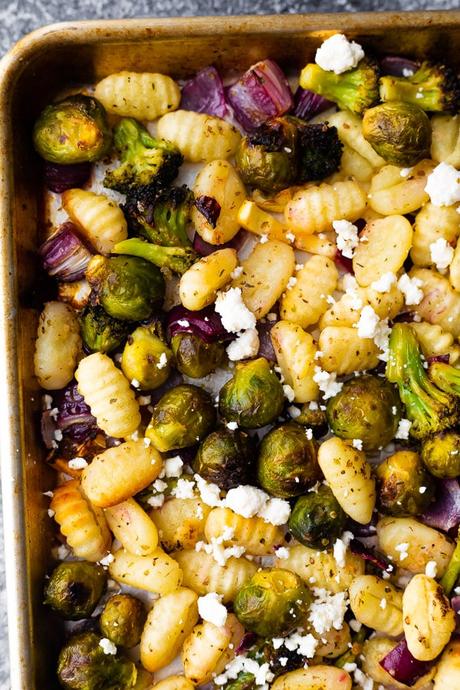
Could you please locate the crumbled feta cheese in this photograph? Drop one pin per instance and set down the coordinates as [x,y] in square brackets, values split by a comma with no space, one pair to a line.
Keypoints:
[289,392]
[383,603]
[443,185]
[340,548]
[271,316]
[403,429]
[262,674]
[384,283]
[233,426]
[298,267]
[263,239]
[245,346]
[184,323]
[135,435]
[309,433]
[163,361]
[54,413]
[290,236]
[107,646]
[282,552]
[50,513]
[305,645]
[234,313]
[350,666]
[355,625]
[156,501]
[144,400]
[327,382]
[283,661]
[276,511]
[410,287]
[327,611]
[147,442]
[294,411]
[173,466]
[236,273]
[364,681]
[184,489]
[48,494]
[382,339]
[77,463]
[277,642]
[367,323]
[107,560]
[58,435]
[135,383]
[357,443]
[209,493]
[431,569]
[291,282]
[402,550]
[47,402]
[347,237]
[246,500]
[159,485]
[408,72]
[441,253]
[211,609]
[338,54]
[405,172]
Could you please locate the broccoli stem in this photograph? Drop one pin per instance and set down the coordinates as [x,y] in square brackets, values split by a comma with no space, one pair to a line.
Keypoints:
[177,259]
[452,573]
[446,377]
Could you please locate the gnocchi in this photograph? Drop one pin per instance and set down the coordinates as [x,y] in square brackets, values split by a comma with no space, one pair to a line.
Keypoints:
[198,136]
[57,347]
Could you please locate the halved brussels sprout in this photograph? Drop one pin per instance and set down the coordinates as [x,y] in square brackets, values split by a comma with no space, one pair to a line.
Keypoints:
[317,519]
[441,454]
[101,332]
[84,665]
[128,288]
[367,408]
[181,418]
[226,458]
[146,358]
[403,484]
[253,397]
[287,464]
[123,620]
[194,357]
[273,603]
[74,130]
[74,588]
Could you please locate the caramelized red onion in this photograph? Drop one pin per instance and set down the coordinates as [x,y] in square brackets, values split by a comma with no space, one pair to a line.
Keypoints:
[204,93]
[59,177]
[64,255]
[307,104]
[444,513]
[402,666]
[205,323]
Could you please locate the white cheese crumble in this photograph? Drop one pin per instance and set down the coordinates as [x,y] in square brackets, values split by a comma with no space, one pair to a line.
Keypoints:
[368,322]
[384,283]
[410,287]
[294,411]
[327,382]
[184,323]
[431,569]
[364,681]
[135,383]
[276,511]
[402,549]
[443,185]
[249,501]
[340,548]
[423,488]
[236,273]
[245,346]
[234,313]
[233,426]
[262,674]
[441,253]
[50,513]
[184,489]
[357,443]
[347,237]
[107,560]
[209,493]
[173,466]
[288,392]
[405,172]
[77,463]
[156,501]
[403,429]
[263,239]
[338,54]
[211,609]
[107,646]
[291,282]
[382,339]
[163,361]
[327,611]
[282,552]
[290,236]
[305,645]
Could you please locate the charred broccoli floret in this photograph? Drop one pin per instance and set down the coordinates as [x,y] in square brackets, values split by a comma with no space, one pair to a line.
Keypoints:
[147,164]
[446,377]
[177,259]
[429,408]
[355,90]
[319,152]
[433,87]
[165,220]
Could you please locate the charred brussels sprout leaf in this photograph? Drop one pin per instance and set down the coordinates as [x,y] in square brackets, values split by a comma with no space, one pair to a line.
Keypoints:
[272,603]
[74,130]
[83,665]
[123,619]
[287,465]
[194,357]
[146,358]
[404,486]
[441,454]
[74,589]
[101,332]
[182,417]
[317,519]
[367,408]
[319,152]
[266,159]
[225,458]
[253,397]
[127,288]
[399,132]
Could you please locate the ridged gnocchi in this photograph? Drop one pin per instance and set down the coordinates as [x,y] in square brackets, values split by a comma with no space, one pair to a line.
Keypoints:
[143,95]
[208,649]
[344,351]
[198,136]
[393,194]
[295,352]
[180,522]
[157,572]
[57,347]
[198,286]
[132,527]
[315,678]
[383,248]
[307,299]
[254,534]
[377,604]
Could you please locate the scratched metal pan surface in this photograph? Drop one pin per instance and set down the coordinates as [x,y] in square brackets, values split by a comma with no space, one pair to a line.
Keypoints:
[34,71]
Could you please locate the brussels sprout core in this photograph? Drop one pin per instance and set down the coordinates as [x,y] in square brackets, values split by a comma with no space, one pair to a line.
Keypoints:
[123,619]
[74,589]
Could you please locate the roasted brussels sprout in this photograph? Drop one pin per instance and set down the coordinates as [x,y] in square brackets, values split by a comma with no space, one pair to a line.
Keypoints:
[287,465]
[101,332]
[399,132]
[272,603]
[319,152]
[74,588]
[317,519]
[123,619]
[84,665]
[253,397]
[441,454]
[314,417]
[194,357]
[404,486]
[146,358]
[74,130]
[128,288]
[367,408]
[182,417]
[266,158]
[433,87]
[225,458]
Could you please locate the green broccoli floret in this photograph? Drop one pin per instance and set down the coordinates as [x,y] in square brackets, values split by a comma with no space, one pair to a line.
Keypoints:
[176,259]
[319,151]
[429,408]
[147,164]
[164,222]
[433,87]
[452,574]
[446,377]
[354,90]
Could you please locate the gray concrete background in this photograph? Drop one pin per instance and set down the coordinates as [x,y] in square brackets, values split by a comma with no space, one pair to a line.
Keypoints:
[21,16]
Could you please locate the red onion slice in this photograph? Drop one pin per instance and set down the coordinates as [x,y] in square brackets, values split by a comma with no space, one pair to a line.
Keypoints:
[58,177]
[307,104]
[402,666]
[260,93]
[370,555]
[204,93]
[396,66]
[444,513]
[64,255]
[206,324]
[266,348]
